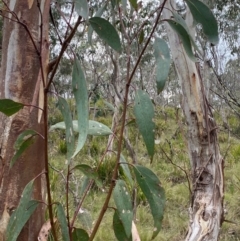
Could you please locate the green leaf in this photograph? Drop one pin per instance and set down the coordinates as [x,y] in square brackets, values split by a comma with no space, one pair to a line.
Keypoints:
[106,32]
[80,234]
[24,140]
[109,105]
[63,222]
[134,4]
[144,113]
[151,187]
[118,228]
[95,128]
[141,37]
[10,107]
[22,214]
[84,216]
[82,8]
[89,172]
[122,199]
[184,36]
[126,171]
[80,92]
[67,116]
[98,14]
[163,61]
[203,15]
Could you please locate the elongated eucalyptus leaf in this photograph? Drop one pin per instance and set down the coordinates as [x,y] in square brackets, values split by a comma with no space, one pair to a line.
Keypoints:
[144,113]
[122,199]
[10,107]
[82,8]
[80,235]
[80,92]
[125,169]
[106,32]
[22,214]
[89,172]
[163,61]
[184,36]
[203,15]
[95,128]
[151,187]
[118,228]
[134,4]
[98,14]
[63,222]
[24,140]
[67,116]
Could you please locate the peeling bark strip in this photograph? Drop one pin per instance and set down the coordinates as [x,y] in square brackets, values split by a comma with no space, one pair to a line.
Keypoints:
[19,74]
[206,210]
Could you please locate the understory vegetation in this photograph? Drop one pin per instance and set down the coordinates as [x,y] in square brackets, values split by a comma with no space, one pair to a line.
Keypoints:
[170,164]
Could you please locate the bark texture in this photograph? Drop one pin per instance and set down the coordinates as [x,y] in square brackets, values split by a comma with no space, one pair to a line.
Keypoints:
[206,210]
[19,74]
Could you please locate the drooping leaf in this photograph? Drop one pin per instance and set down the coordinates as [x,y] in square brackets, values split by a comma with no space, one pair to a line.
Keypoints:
[125,169]
[141,37]
[85,218]
[203,15]
[144,113]
[98,14]
[89,172]
[181,21]
[80,92]
[122,199]
[84,185]
[118,228]
[134,4]
[24,140]
[22,214]
[10,107]
[184,36]
[70,138]
[63,222]
[80,234]
[95,128]
[82,8]
[106,32]
[151,187]
[163,61]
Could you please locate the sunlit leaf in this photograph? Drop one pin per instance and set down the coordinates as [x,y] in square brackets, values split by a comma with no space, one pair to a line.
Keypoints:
[89,172]
[22,214]
[144,113]
[134,4]
[184,36]
[24,140]
[80,92]
[162,56]
[203,15]
[106,32]
[80,235]
[151,187]
[95,128]
[82,8]
[10,107]
[118,228]
[63,222]
[67,116]
[123,201]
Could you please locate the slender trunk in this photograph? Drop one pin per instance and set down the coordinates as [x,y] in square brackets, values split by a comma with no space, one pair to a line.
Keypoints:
[19,74]
[206,210]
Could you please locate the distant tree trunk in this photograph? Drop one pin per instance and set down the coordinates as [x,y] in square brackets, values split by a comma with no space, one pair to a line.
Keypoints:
[206,210]
[20,69]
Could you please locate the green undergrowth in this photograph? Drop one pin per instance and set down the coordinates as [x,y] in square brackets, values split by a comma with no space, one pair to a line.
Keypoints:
[171,165]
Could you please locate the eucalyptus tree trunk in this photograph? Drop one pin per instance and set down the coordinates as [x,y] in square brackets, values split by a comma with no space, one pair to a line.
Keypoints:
[206,210]
[22,71]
